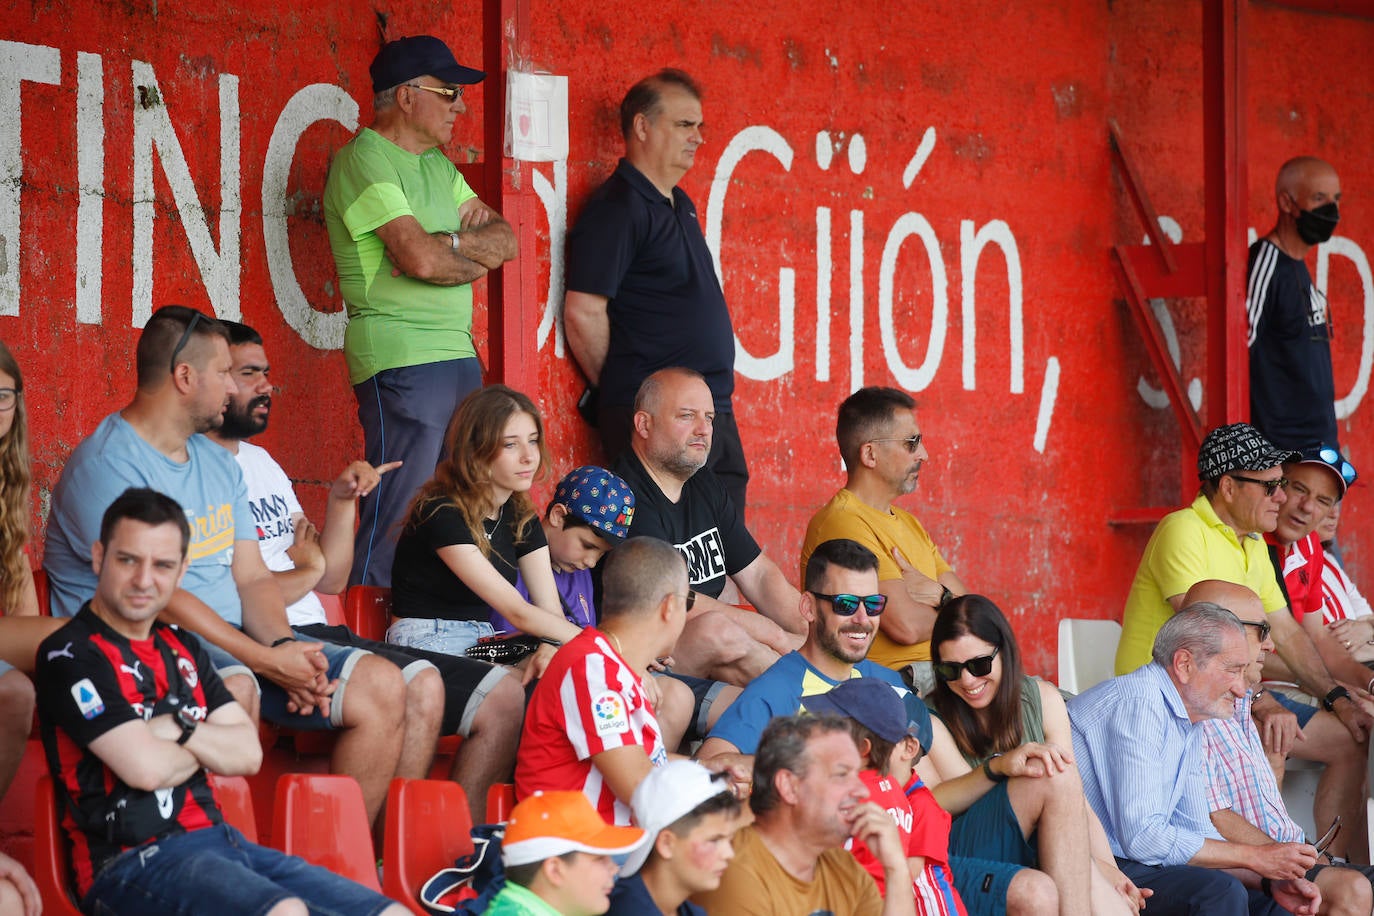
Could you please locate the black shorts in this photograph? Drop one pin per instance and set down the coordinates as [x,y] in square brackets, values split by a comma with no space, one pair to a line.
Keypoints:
[466,681]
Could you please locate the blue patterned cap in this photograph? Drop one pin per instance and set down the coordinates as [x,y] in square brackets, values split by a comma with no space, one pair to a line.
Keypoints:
[599,498]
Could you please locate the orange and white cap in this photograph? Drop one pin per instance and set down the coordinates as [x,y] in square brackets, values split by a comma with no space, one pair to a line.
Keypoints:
[548,824]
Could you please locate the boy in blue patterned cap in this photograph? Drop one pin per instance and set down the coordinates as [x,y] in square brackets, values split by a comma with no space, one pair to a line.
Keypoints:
[590,513]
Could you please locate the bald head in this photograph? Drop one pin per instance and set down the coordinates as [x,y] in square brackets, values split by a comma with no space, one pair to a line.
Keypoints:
[1249,610]
[1298,173]
[1237,599]
[674,411]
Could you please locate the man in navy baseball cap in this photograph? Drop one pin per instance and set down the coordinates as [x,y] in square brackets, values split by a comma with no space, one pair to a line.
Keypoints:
[418,55]
[409,237]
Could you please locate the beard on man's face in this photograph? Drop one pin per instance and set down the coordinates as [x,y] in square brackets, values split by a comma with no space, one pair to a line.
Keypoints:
[243,424]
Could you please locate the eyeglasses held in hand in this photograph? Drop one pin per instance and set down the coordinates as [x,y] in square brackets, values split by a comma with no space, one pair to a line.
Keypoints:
[848,605]
[981,666]
[1278,483]
[912,443]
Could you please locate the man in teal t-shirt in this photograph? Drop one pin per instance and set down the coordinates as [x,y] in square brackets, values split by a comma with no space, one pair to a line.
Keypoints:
[409,237]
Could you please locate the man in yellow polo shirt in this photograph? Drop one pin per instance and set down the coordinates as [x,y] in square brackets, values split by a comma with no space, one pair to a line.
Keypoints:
[1220,536]
[882,450]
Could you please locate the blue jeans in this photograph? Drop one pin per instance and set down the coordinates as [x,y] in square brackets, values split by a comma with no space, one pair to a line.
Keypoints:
[404,413]
[215,871]
[452,637]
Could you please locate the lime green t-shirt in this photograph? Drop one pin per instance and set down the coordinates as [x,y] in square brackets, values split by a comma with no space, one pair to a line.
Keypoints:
[394,321]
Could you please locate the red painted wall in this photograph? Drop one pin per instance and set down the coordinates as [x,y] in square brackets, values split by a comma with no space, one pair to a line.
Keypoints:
[915,134]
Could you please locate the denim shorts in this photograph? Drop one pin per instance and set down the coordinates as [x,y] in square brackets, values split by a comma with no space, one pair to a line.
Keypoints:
[274,698]
[1304,711]
[215,871]
[452,637]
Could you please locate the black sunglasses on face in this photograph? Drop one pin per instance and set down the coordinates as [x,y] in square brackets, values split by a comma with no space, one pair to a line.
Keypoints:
[1261,628]
[912,443]
[848,605]
[1278,483]
[980,666]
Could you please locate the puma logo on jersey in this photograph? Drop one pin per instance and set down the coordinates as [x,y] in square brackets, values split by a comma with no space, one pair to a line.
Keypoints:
[134,670]
[64,652]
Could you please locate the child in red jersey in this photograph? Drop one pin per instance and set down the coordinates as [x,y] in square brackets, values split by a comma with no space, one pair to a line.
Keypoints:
[892,736]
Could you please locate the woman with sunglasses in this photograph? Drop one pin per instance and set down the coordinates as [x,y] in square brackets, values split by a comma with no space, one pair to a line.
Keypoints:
[1005,724]
[471,529]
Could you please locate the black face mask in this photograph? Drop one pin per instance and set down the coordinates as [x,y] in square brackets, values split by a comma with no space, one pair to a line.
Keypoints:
[1316,225]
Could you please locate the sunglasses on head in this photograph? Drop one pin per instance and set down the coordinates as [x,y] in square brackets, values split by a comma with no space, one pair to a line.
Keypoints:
[196,316]
[980,666]
[848,605]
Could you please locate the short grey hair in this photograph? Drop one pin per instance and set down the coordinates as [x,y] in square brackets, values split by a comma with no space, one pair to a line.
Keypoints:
[385,99]
[1201,628]
[637,574]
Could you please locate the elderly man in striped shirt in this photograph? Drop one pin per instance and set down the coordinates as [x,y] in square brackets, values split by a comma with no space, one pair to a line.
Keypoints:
[1138,746]
[1247,806]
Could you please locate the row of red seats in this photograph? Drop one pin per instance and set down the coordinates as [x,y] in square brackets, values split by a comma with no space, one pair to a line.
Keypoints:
[321,819]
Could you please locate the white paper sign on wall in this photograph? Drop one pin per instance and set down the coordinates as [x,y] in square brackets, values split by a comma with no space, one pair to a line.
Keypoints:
[538,127]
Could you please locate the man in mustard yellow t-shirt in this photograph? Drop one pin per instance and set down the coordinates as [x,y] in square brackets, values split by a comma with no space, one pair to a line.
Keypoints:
[881,446]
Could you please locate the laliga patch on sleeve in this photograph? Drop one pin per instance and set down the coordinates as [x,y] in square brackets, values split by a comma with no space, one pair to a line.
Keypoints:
[609,713]
[87,698]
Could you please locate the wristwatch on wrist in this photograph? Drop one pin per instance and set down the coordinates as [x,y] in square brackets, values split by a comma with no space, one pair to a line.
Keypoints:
[1334,694]
[453,240]
[188,722]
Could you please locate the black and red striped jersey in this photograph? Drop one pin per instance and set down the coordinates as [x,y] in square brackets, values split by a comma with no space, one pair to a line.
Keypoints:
[91,679]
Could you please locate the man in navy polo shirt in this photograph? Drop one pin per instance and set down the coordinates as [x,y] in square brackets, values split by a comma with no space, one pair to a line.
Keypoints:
[642,288]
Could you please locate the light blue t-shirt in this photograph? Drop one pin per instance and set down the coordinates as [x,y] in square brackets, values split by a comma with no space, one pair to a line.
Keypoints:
[209,487]
[779,691]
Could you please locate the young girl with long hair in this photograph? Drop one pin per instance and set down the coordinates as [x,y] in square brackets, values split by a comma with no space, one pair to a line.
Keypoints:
[1005,724]
[472,528]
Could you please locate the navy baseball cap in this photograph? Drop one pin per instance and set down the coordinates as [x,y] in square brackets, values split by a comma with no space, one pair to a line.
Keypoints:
[406,58]
[878,706]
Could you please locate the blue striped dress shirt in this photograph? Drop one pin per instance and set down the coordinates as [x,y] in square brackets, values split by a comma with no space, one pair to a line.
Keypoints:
[1142,766]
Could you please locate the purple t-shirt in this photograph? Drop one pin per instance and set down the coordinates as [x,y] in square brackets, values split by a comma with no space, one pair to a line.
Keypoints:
[574,592]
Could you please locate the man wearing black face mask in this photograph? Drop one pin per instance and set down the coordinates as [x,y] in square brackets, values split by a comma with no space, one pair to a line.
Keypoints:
[1292,393]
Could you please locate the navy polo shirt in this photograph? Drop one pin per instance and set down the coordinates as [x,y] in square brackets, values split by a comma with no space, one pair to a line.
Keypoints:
[648,257]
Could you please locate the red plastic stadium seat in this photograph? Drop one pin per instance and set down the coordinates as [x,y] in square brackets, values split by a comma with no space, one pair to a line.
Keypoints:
[323,820]
[367,611]
[235,801]
[51,869]
[500,799]
[427,828]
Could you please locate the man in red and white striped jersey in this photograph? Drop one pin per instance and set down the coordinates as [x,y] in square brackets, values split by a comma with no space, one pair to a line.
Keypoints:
[590,724]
